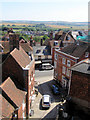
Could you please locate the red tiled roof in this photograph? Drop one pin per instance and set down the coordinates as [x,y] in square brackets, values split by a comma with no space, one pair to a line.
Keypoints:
[15,94]
[6,108]
[26,47]
[21,57]
[5,44]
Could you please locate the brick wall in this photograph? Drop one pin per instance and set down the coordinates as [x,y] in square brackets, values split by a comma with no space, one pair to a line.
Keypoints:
[59,66]
[14,41]
[80,86]
[10,67]
[30,86]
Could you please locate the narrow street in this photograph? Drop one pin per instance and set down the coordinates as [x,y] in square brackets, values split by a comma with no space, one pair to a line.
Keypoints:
[45,80]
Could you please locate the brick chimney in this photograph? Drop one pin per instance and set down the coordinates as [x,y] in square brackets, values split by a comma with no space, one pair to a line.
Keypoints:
[41,42]
[31,41]
[51,35]
[13,41]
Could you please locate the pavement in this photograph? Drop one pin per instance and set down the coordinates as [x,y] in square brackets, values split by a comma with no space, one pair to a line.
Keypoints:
[43,114]
[45,80]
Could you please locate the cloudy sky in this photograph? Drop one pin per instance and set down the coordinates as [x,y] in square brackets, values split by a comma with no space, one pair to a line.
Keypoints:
[44,10]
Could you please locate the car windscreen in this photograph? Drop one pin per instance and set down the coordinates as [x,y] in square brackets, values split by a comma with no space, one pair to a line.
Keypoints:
[46,102]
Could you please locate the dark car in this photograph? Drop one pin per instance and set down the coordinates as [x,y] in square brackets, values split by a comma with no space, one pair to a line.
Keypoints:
[55,89]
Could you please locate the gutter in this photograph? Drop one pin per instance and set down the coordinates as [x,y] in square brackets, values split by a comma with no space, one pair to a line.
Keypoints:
[67,54]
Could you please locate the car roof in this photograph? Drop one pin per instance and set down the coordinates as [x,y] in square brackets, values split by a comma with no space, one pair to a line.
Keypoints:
[46,64]
[46,98]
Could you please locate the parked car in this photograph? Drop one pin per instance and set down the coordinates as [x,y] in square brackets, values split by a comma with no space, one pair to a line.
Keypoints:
[46,66]
[55,89]
[46,101]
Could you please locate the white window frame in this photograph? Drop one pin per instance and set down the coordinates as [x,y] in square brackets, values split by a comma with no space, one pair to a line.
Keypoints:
[29,80]
[23,105]
[24,115]
[68,63]
[55,64]
[63,69]
[64,82]
[68,72]
[64,60]
[30,97]
[55,56]
[31,92]
[86,54]
[55,73]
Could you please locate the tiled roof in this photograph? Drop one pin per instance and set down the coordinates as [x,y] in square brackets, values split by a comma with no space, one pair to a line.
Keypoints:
[59,33]
[6,108]
[5,44]
[1,46]
[52,42]
[15,94]
[76,50]
[21,57]
[26,47]
[82,66]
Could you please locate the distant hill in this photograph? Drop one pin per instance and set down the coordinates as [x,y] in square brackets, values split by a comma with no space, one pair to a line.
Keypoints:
[65,23]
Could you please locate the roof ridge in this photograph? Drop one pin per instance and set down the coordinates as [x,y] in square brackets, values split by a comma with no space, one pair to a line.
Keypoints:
[4,82]
[13,51]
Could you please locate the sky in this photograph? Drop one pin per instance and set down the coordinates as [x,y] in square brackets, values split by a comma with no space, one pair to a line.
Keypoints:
[44,10]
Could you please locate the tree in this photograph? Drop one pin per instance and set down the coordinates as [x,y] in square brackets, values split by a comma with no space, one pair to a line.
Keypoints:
[45,37]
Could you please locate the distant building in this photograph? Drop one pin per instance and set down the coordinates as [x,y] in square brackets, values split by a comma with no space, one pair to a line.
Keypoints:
[42,54]
[62,39]
[67,57]
[14,42]
[79,85]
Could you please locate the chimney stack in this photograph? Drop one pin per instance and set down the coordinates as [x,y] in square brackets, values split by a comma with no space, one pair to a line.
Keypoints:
[51,35]
[41,42]
[13,41]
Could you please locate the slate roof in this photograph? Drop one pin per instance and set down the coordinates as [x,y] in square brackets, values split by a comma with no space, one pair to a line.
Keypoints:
[75,49]
[82,66]
[6,108]
[21,57]
[15,94]
[44,50]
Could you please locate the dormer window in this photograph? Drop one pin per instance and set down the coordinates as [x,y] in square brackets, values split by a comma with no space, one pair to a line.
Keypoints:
[38,51]
[55,43]
[87,54]
[88,68]
[67,37]
[2,50]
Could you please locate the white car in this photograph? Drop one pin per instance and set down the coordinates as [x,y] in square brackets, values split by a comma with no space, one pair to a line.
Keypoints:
[47,66]
[46,101]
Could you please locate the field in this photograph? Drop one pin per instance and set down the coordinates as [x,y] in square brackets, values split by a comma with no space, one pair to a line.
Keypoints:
[48,24]
[58,26]
[17,24]
[69,27]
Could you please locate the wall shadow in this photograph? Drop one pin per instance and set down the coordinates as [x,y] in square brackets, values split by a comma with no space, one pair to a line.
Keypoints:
[45,88]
